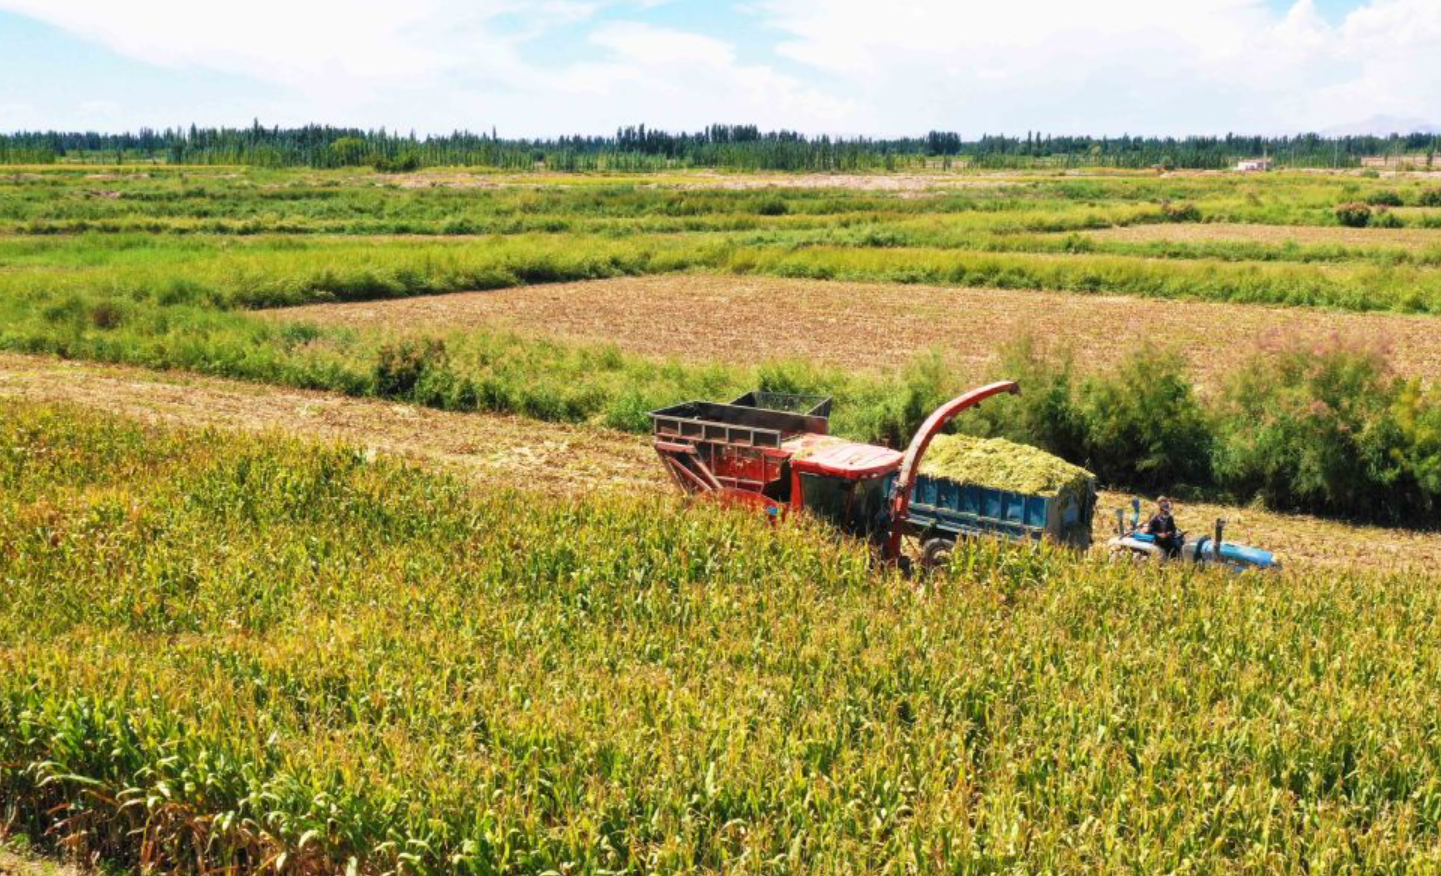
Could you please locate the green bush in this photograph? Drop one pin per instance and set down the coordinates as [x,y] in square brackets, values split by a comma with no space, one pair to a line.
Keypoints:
[1139,425]
[1045,412]
[106,315]
[772,207]
[405,162]
[1429,198]
[1183,211]
[1314,427]
[1353,214]
[890,413]
[399,367]
[1144,426]
[1385,198]
[1386,219]
[1417,410]
[348,151]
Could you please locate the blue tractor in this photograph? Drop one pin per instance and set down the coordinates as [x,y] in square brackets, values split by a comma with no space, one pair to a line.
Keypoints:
[1133,544]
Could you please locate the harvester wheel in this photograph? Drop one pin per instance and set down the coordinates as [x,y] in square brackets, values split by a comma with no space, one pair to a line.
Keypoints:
[936,554]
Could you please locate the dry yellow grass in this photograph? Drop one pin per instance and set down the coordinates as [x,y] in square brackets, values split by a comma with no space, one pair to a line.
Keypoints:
[1399,238]
[875,326]
[512,452]
[904,183]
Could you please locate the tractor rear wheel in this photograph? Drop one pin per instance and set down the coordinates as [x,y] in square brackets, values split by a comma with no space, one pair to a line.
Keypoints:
[936,554]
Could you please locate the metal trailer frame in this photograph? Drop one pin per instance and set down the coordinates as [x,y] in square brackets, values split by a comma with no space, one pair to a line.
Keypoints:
[736,450]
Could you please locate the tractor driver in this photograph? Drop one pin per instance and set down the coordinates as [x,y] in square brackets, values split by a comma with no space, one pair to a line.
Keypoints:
[1163,527]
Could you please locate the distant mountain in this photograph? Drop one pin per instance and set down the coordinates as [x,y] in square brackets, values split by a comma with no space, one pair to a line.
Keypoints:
[1383,125]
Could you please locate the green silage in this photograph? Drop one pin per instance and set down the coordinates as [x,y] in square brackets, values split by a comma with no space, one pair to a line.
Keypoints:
[998,464]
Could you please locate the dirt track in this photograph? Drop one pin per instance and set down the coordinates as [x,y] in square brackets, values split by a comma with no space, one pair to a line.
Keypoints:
[904,183]
[509,451]
[876,326]
[1222,232]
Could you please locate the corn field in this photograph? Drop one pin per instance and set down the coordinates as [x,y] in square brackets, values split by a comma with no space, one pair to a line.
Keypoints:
[255,654]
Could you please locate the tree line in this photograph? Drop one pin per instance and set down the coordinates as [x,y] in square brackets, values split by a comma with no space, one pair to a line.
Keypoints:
[638,148]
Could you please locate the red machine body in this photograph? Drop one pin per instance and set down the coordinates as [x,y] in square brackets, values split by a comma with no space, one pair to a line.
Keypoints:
[836,457]
[774,452]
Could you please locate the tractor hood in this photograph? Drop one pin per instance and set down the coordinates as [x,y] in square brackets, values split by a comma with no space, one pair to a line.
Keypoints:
[1238,556]
[1248,556]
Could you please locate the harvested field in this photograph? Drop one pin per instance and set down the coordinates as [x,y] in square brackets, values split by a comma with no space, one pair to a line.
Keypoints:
[1403,238]
[709,180]
[513,452]
[502,451]
[898,182]
[874,326]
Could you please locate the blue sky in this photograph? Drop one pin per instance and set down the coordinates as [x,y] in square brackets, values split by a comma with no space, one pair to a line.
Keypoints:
[839,66]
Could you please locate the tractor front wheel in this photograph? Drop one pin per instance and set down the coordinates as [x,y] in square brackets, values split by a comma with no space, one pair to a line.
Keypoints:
[1133,557]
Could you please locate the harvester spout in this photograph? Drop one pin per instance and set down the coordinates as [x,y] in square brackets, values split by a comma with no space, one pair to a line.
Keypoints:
[911,462]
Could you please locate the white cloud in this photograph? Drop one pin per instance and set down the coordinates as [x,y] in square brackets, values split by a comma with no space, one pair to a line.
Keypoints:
[688,80]
[1105,66]
[1119,65]
[663,47]
[441,64]
[336,53]
[278,41]
[107,110]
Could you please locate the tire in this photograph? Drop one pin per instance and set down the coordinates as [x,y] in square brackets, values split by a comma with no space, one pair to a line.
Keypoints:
[1133,557]
[936,554]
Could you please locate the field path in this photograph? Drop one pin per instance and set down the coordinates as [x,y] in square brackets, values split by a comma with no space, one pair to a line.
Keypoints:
[1304,235]
[566,459]
[878,326]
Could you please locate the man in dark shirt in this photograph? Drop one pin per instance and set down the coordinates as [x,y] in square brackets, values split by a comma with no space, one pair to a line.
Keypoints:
[1163,527]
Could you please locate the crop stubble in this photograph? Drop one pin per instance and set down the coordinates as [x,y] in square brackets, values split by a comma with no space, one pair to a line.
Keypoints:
[493,449]
[877,326]
[1303,235]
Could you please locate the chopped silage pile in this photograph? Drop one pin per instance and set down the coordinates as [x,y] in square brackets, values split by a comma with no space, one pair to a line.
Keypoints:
[999,464]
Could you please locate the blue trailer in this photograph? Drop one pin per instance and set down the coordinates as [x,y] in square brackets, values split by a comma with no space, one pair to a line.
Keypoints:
[942,511]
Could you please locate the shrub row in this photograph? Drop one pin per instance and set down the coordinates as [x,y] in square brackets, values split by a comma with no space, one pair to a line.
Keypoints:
[1318,427]
[1328,430]
[1323,427]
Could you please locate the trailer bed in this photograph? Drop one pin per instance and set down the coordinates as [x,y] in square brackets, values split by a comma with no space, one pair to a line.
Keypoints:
[941,507]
